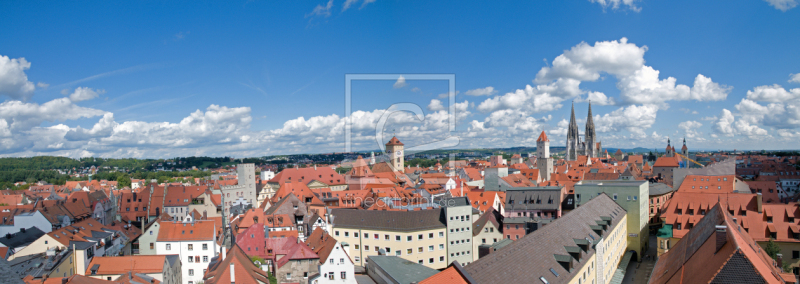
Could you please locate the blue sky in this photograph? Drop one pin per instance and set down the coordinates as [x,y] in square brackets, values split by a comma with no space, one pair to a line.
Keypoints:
[252,78]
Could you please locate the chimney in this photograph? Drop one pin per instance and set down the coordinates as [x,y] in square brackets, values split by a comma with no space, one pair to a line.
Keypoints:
[779,260]
[759,199]
[64,280]
[722,236]
[233,273]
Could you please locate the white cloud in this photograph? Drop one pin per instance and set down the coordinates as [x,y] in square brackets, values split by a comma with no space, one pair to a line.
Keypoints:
[42,85]
[634,118]
[585,62]
[401,82]
[615,4]
[13,80]
[416,90]
[783,5]
[690,128]
[774,94]
[488,91]
[794,78]
[435,105]
[347,4]
[597,98]
[689,111]
[724,123]
[83,94]
[320,10]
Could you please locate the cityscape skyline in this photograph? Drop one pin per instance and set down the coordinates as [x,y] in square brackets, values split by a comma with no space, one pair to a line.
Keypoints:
[148,82]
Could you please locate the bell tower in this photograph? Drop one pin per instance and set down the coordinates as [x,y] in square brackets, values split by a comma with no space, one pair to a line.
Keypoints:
[394,149]
[543,160]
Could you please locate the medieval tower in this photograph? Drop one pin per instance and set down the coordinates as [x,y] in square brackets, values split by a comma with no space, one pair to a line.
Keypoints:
[543,160]
[394,149]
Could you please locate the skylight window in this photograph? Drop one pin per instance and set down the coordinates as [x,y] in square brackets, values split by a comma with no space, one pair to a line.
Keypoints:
[554,272]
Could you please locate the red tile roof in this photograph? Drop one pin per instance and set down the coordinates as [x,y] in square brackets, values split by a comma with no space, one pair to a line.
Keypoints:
[244,270]
[394,141]
[195,231]
[121,264]
[449,275]
[666,162]
[542,137]
[708,184]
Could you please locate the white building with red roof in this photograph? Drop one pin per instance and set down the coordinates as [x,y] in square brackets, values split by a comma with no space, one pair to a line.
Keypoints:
[195,243]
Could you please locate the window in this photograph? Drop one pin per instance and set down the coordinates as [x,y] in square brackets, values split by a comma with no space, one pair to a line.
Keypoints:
[397,238]
[366,248]
[388,250]
[358,259]
[205,246]
[205,257]
[330,261]
[635,198]
[441,246]
[409,238]
[346,234]
[409,251]
[419,236]
[386,237]
[356,246]
[191,271]
[375,236]
[795,254]
[615,196]
[305,275]
[420,249]
[344,274]
[152,245]
[430,248]
[191,259]
[430,235]
[441,234]
[629,198]
[419,261]
[430,260]
[190,247]
[397,252]
[289,276]
[151,233]
[355,234]
[169,247]
[336,233]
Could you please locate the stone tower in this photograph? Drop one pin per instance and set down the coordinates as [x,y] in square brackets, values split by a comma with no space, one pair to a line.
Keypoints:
[572,138]
[591,141]
[543,160]
[684,149]
[669,152]
[394,149]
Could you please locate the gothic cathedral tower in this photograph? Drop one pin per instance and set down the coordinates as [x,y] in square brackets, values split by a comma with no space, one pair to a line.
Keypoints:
[394,149]
[684,149]
[591,140]
[543,160]
[572,138]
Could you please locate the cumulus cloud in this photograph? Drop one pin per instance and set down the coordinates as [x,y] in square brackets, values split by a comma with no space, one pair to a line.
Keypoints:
[634,118]
[597,98]
[616,4]
[783,5]
[688,111]
[42,85]
[724,124]
[435,105]
[690,128]
[13,80]
[488,91]
[794,78]
[83,94]
[401,82]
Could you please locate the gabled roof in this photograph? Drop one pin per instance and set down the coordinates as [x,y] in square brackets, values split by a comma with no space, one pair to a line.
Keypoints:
[487,218]
[538,254]
[321,243]
[194,231]
[389,220]
[705,256]
[244,270]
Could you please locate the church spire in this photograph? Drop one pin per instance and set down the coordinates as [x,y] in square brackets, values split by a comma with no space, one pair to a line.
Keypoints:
[590,135]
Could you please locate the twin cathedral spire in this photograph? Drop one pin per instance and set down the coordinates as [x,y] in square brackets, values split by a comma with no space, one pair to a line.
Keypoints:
[590,147]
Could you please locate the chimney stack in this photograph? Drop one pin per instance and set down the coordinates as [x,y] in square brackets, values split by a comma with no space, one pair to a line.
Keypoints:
[779,260]
[721,235]
[759,199]
[233,273]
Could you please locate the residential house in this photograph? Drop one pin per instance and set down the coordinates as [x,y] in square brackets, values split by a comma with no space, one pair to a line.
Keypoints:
[194,242]
[164,268]
[335,266]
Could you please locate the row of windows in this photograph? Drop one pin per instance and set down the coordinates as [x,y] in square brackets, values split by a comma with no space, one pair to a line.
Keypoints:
[188,247]
[459,242]
[191,273]
[464,218]
[430,260]
[398,252]
[459,229]
[388,237]
[136,209]
[193,259]
[459,253]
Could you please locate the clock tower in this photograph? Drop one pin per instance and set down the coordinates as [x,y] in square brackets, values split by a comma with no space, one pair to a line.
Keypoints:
[394,149]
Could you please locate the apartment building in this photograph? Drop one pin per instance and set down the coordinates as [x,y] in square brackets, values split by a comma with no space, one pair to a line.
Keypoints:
[459,216]
[632,195]
[419,236]
[584,246]
[194,242]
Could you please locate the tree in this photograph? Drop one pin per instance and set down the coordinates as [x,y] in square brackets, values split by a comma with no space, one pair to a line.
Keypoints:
[772,249]
[124,181]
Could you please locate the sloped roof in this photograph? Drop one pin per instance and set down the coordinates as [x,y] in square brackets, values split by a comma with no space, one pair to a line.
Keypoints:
[394,141]
[244,270]
[177,231]
[534,255]
[321,243]
[666,162]
[389,220]
[542,137]
[122,264]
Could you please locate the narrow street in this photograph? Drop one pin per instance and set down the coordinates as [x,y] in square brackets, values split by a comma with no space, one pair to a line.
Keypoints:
[639,273]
